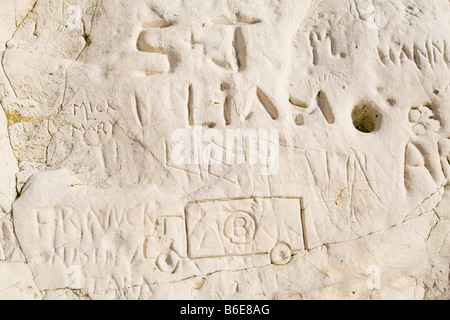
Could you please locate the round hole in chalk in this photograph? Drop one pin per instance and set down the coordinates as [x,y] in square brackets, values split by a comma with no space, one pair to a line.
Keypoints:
[364,118]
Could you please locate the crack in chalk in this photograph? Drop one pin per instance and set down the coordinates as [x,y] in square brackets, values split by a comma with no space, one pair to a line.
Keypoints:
[390,227]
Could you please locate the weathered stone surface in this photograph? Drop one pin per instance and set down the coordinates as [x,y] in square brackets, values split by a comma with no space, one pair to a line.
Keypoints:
[17,282]
[227,149]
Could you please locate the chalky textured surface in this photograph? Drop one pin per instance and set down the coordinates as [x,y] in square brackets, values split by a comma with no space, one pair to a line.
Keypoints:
[351,99]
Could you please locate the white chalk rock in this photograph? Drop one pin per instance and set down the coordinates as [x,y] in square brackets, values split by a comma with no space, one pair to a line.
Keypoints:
[232,150]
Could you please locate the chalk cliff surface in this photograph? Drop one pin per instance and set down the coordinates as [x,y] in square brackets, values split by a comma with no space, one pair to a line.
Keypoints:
[224,149]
